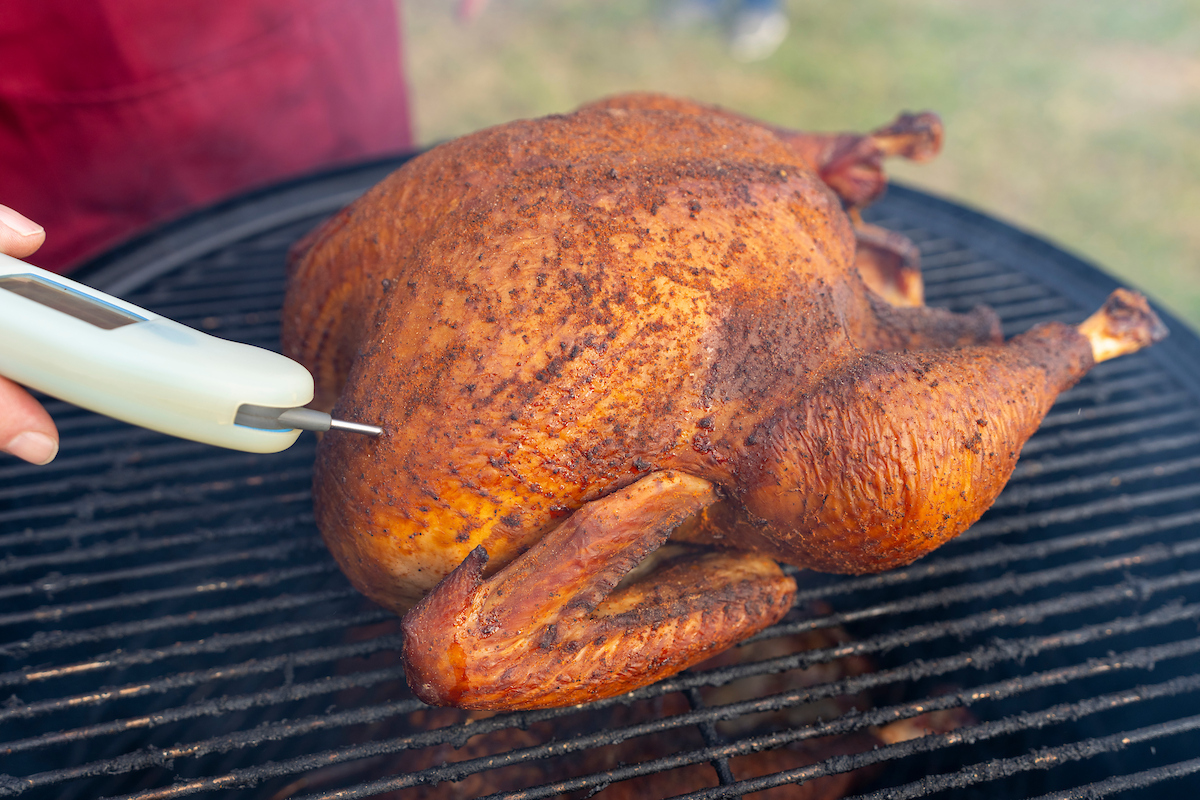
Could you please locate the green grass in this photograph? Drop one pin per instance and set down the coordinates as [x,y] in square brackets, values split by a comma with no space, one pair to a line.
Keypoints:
[1078,120]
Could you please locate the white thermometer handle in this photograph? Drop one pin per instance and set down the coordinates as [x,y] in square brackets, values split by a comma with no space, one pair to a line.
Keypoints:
[104,354]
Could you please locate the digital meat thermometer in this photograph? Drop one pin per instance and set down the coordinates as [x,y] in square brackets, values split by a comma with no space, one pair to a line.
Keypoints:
[112,357]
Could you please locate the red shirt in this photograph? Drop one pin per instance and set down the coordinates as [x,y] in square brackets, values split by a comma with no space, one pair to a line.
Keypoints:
[115,114]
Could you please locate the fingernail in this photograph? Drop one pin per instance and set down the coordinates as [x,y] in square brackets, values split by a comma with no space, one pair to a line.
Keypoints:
[18,222]
[36,448]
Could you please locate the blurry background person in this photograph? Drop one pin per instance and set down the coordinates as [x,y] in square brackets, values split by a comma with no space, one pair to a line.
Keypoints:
[116,114]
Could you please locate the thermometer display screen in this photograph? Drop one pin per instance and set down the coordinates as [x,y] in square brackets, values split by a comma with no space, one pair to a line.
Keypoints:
[68,301]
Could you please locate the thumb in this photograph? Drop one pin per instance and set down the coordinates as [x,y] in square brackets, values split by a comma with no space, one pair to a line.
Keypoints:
[26,430]
[19,236]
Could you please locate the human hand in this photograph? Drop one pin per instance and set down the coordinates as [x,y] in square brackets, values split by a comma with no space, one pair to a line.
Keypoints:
[26,430]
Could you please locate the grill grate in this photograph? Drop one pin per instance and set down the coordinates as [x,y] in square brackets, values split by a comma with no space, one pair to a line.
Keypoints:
[171,625]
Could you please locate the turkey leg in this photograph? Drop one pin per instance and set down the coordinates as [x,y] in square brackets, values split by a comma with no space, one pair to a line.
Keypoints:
[549,629]
[895,453]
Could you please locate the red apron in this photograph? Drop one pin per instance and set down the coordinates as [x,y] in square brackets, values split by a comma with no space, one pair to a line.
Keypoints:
[115,114]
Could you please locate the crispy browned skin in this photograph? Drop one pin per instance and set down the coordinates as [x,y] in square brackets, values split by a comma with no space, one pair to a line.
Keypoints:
[851,164]
[549,630]
[547,312]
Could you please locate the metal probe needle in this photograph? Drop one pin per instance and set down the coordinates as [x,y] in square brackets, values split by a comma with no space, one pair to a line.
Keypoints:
[307,419]
[355,427]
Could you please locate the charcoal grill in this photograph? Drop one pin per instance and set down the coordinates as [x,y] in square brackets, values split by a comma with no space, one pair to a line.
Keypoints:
[172,626]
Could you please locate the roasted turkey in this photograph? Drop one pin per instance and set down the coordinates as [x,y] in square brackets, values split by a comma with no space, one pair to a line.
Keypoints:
[587,333]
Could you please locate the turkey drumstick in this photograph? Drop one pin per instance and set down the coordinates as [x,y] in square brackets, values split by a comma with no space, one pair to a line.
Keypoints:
[911,448]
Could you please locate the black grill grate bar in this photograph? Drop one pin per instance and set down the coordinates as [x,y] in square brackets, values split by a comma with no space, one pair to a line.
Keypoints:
[1124,783]
[982,732]
[1123,503]
[1047,758]
[115,444]
[289,693]
[965,292]
[956,257]
[1135,362]
[1097,391]
[1031,468]
[1015,311]
[218,643]
[58,584]
[940,567]
[1090,414]
[1015,294]
[132,600]
[206,461]
[711,737]
[164,493]
[300,658]
[980,658]
[1156,553]
[229,321]
[996,287]
[1142,658]
[1132,589]
[879,716]
[218,288]
[77,530]
[264,336]
[263,332]
[1073,438]
[1044,758]
[1029,493]
[961,270]
[52,640]
[150,520]
[999,281]
[72,418]
[263,305]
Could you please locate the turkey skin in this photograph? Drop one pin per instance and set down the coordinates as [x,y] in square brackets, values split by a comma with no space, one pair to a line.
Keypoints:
[587,333]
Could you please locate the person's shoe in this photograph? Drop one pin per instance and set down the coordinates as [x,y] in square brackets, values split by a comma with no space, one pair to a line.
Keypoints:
[756,31]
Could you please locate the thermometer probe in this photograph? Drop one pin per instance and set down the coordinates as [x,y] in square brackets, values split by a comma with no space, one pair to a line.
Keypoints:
[101,353]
